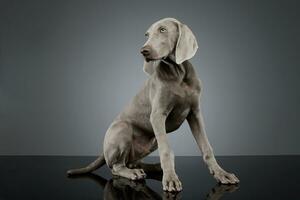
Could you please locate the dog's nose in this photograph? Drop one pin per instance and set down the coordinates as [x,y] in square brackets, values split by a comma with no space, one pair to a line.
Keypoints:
[145,50]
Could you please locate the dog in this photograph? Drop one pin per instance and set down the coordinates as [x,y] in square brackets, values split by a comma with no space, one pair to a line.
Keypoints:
[170,96]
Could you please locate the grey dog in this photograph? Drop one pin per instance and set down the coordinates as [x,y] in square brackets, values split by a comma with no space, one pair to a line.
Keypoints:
[170,95]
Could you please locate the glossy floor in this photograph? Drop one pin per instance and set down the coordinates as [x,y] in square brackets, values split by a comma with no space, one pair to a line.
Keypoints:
[43,177]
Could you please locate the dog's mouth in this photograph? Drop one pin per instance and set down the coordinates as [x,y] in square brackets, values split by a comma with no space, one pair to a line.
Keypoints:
[148,59]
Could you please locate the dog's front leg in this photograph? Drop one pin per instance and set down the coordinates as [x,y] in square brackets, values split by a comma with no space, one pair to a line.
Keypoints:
[196,123]
[170,179]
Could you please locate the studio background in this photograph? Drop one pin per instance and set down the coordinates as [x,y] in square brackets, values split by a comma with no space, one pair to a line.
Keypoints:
[67,68]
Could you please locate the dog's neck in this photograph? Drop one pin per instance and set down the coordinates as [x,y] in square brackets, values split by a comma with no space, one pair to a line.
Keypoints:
[168,69]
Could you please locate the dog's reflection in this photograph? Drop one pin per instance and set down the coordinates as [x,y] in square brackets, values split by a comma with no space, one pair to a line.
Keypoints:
[122,188]
[219,190]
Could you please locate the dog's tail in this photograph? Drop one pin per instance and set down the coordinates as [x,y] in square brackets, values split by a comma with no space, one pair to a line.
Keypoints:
[99,162]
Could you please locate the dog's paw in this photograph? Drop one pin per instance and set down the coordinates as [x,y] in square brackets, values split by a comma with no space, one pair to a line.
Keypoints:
[224,177]
[171,182]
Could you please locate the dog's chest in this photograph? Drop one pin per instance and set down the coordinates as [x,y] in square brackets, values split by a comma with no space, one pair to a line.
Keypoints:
[183,97]
[184,93]
[176,117]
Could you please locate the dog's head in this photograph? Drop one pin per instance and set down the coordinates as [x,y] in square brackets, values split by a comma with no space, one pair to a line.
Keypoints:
[169,38]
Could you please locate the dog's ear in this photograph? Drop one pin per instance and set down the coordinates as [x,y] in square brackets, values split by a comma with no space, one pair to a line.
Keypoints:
[148,67]
[186,46]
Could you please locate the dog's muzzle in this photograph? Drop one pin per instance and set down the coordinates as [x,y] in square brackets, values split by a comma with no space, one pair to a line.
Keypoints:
[148,53]
[145,51]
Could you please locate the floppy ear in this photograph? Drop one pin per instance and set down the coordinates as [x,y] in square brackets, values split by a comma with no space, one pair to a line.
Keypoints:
[186,46]
[148,67]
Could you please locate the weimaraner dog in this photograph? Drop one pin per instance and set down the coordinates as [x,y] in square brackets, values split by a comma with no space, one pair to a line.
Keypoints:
[170,95]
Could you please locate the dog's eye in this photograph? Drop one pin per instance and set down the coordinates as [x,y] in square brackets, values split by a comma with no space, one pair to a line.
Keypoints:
[162,30]
[147,34]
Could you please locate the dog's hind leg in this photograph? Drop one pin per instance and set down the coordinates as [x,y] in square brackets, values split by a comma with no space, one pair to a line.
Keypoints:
[117,149]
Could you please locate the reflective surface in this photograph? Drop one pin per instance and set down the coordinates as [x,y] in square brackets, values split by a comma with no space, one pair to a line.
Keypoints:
[43,177]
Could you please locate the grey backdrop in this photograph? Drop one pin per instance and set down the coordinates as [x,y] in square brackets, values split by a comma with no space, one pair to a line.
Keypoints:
[67,68]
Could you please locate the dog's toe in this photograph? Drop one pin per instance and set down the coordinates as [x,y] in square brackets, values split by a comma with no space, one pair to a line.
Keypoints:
[224,177]
[171,183]
[140,174]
